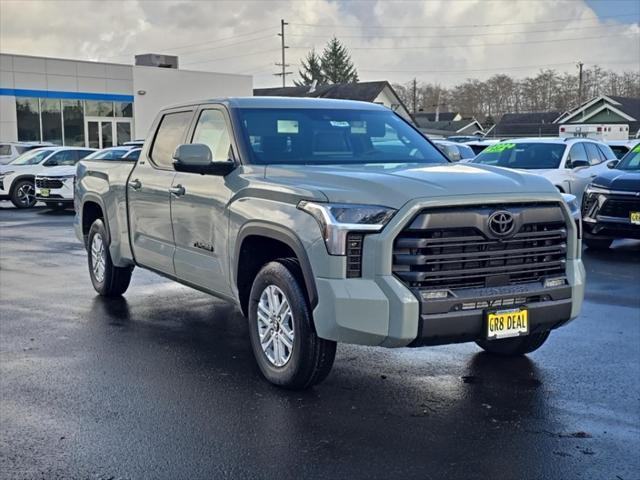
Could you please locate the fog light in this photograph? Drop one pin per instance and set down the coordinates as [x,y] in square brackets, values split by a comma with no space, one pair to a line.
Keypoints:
[435,294]
[554,282]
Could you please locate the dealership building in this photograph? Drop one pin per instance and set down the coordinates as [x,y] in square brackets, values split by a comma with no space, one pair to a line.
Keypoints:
[96,104]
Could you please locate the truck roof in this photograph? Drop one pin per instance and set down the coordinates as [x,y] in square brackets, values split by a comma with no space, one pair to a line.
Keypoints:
[284,102]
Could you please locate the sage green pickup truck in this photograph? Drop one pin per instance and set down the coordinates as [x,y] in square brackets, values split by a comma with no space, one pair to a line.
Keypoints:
[331,221]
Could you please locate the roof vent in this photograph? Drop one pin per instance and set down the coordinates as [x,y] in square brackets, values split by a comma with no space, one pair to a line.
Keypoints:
[157,60]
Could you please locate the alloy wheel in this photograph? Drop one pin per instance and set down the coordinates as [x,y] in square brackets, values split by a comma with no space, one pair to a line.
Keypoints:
[275,326]
[98,257]
[27,195]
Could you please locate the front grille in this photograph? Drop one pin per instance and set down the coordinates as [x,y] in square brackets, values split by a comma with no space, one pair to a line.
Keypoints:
[620,207]
[354,255]
[430,254]
[43,182]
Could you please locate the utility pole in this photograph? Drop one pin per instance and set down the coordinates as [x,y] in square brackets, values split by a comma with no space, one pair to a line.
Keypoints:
[415,95]
[284,64]
[579,65]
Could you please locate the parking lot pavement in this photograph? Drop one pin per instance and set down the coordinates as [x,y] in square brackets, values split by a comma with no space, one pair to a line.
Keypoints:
[162,384]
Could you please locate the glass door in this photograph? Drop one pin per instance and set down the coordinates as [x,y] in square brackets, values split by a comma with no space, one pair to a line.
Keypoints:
[105,133]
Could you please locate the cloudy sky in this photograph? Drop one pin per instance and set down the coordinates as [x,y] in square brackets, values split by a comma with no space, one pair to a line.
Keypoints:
[441,41]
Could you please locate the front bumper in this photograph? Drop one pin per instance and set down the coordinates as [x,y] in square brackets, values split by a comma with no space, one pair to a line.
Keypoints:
[606,214]
[379,309]
[610,227]
[61,195]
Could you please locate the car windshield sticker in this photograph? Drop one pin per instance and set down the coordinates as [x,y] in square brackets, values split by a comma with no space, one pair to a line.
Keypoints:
[287,126]
[500,147]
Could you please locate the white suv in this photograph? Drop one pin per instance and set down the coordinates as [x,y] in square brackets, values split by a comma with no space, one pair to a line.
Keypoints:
[569,163]
[11,150]
[17,179]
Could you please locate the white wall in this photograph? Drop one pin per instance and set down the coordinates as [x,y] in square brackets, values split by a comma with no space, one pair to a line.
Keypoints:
[389,100]
[165,86]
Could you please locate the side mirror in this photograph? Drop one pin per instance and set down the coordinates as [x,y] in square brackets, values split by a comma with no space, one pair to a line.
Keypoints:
[197,158]
[579,164]
[613,163]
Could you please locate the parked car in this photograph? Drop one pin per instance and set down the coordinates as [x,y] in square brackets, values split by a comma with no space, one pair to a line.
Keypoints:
[55,188]
[12,150]
[611,204]
[17,179]
[455,151]
[464,138]
[479,145]
[333,221]
[569,163]
[622,147]
[115,153]
[134,143]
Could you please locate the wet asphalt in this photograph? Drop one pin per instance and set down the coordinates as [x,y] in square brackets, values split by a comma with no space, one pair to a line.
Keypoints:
[161,384]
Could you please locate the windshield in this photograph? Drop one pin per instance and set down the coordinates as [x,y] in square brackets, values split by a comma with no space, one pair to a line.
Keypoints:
[110,154]
[631,161]
[326,136]
[32,157]
[528,156]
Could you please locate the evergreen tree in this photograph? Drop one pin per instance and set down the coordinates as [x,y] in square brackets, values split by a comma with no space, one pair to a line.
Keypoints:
[337,66]
[311,70]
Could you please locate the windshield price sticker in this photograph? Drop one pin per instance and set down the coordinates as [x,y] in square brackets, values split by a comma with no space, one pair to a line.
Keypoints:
[500,147]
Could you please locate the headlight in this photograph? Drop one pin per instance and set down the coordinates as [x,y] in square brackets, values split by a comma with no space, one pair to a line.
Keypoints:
[595,189]
[336,220]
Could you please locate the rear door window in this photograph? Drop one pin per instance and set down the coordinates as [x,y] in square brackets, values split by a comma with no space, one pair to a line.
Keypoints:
[171,132]
[606,152]
[593,153]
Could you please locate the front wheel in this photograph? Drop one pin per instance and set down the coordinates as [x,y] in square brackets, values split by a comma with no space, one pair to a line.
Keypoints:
[598,243]
[284,342]
[107,279]
[511,347]
[23,194]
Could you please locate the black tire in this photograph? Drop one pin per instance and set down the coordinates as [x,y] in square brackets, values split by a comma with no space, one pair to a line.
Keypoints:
[311,357]
[598,243]
[511,347]
[115,280]
[23,194]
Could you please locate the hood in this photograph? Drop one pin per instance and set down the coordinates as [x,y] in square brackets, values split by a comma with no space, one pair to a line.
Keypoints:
[393,185]
[60,171]
[614,179]
[19,168]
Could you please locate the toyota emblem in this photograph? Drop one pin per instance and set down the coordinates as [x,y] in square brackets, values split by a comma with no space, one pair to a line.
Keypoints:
[501,223]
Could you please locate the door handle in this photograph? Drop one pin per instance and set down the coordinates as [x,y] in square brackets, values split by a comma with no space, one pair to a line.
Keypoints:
[135,184]
[178,190]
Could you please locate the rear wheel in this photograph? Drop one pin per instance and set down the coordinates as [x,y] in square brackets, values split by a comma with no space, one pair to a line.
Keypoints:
[510,347]
[284,342]
[598,243]
[107,279]
[23,194]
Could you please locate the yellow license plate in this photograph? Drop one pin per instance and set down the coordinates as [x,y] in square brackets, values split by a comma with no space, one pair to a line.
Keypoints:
[634,217]
[507,323]
[44,192]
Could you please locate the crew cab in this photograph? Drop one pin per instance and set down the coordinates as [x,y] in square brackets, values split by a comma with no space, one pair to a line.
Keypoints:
[331,221]
[611,204]
[569,163]
[17,179]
